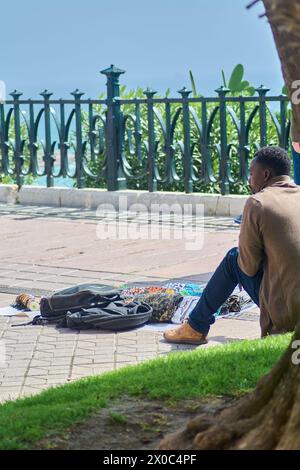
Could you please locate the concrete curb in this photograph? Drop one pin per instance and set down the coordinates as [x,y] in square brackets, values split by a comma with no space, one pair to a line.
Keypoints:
[214,204]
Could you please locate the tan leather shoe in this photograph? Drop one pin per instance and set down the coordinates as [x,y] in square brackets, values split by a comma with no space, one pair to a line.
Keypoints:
[184,334]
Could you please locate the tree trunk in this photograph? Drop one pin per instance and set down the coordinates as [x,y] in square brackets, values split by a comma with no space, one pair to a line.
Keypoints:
[267,418]
[284,19]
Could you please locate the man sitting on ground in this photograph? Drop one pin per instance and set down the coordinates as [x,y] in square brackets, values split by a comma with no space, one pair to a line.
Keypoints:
[267,261]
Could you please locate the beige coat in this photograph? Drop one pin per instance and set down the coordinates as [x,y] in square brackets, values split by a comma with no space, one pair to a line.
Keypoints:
[270,239]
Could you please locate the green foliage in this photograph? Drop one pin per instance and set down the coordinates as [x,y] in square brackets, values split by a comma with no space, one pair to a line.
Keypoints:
[236,77]
[11,179]
[194,89]
[137,159]
[236,83]
[224,79]
[117,418]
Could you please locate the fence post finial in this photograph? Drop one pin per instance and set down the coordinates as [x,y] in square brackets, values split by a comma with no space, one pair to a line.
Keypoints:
[114,131]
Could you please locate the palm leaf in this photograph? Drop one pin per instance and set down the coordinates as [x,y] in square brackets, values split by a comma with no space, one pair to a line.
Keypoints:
[224,79]
[195,94]
[236,77]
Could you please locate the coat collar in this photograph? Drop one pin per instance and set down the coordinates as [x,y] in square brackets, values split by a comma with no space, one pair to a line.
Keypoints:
[283,181]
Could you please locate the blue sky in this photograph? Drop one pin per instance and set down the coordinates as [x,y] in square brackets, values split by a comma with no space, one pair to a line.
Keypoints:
[63,44]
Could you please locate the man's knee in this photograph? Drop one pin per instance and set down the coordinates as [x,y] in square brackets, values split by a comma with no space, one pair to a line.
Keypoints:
[232,253]
[231,259]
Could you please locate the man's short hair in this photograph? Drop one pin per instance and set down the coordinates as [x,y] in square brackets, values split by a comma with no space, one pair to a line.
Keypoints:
[275,159]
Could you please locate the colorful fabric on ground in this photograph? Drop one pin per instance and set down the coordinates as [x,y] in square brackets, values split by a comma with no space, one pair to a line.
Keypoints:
[164,305]
[185,307]
[237,303]
[185,289]
[132,291]
[182,288]
[188,294]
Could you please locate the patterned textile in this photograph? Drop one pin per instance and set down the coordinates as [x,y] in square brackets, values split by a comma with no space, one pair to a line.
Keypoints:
[132,291]
[174,301]
[184,308]
[164,305]
[236,303]
[176,286]
[185,289]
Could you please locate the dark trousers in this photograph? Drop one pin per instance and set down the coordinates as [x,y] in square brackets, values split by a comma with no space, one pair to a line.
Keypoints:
[224,280]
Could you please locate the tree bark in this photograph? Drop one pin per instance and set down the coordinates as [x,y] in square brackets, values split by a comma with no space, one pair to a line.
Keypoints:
[284,19]
[266,419]
[269,417]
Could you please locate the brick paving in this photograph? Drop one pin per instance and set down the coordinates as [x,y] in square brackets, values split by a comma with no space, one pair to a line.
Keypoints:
[43,249]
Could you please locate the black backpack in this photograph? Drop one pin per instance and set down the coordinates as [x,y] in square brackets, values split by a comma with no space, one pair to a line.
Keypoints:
[92,306]
[72,299]
[115,316]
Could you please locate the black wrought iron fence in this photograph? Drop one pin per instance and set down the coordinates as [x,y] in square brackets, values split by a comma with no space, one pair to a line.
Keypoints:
[149,143]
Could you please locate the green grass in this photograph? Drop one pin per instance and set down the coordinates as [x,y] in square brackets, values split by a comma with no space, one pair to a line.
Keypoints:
[232,369]
[117,418]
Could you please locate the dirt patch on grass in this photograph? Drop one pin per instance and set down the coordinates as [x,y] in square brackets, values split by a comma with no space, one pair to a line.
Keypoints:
[133,423]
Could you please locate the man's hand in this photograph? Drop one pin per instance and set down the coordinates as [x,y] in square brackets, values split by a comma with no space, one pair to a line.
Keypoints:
[296,146]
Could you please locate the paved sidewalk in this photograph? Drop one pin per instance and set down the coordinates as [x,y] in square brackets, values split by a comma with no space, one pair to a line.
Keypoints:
[45,249]
[49,248]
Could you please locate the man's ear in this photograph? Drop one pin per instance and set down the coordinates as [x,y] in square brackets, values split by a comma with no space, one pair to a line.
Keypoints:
[296,146]
[267,174]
